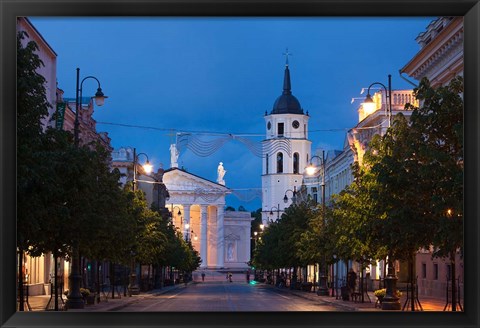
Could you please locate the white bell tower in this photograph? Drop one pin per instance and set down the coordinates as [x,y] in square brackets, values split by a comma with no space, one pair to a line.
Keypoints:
[286,152]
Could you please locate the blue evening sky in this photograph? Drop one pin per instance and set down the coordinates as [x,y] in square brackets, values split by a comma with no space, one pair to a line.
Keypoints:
[220,75]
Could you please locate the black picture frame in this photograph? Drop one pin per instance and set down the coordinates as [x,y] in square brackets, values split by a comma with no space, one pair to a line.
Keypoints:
[11,9]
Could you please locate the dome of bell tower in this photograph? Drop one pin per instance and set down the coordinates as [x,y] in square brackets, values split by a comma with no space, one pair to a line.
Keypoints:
[287,103]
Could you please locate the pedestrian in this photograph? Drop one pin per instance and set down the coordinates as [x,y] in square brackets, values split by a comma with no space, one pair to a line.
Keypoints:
[203,276]
[230,276]
[351,281]
[248,277]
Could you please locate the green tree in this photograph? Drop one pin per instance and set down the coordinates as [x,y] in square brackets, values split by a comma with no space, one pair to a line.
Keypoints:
[417,170]
[439,149]
[149,240]
[32,107]
[278,245]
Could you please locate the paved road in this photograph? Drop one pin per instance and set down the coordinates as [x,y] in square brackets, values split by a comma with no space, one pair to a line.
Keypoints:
[219,296]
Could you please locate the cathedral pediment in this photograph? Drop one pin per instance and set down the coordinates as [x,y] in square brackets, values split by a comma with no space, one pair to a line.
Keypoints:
[181,181]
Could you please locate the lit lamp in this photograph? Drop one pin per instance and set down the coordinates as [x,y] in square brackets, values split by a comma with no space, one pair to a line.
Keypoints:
[147,167]
[187,226]
[194,235]
[74,297]
[369,105]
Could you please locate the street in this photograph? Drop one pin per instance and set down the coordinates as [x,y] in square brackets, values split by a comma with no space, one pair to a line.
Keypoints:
[215,296]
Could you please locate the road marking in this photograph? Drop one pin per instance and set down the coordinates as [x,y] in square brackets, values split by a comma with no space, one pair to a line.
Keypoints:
[283,296]
[174,295]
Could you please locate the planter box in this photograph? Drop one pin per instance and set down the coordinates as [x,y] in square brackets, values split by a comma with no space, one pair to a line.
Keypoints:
[345,291]
[307,287]
[90,299]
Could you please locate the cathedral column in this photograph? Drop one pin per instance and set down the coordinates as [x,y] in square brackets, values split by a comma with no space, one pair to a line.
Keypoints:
[186,220]
[220,237]
[203,235]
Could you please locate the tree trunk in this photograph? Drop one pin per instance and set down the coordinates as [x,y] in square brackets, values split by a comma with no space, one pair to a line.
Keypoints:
[384,272]
[412,281]
[20,281]
[346,266]
[98,280]
[454,291]
[55,280]
[112,279]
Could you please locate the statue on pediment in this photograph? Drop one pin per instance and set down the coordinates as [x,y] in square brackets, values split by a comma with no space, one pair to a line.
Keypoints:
[221,173]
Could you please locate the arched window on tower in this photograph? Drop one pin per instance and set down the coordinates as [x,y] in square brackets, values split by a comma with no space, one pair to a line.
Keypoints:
[266,164]
[280,163]
[296,159]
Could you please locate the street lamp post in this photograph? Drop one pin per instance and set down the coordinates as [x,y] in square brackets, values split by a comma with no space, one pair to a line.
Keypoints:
[74,298]
[277,208]
[311,169]
[179,213]
[333,275]
[294,195]
[391,301]
[133,287]
[369,104]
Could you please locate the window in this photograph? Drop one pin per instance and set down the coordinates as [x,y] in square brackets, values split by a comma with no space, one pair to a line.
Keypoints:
[280,163]
[280,129]
[315,195]
[435,271]
[424,270]
[296,159]
[266,163]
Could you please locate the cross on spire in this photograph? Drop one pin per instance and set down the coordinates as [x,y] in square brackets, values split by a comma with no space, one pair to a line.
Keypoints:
[286,53]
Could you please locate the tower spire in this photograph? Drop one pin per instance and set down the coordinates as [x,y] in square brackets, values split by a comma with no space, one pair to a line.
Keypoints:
[286,53]
[287,87]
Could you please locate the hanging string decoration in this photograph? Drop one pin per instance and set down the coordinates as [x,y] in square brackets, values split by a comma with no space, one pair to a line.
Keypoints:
[204,144]
[247,195]
[210,195]
[200,147]
[283,145]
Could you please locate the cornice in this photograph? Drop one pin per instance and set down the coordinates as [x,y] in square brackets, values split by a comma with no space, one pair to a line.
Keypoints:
[436,50]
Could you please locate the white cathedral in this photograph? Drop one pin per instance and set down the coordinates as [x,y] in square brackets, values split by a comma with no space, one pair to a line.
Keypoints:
[197,208]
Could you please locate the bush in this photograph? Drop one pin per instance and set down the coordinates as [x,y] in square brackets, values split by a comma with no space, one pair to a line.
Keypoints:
[382,292]
[84,291]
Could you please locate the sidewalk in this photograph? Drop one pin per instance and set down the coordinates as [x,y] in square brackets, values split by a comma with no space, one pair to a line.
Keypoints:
[39,303]
[427,303]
